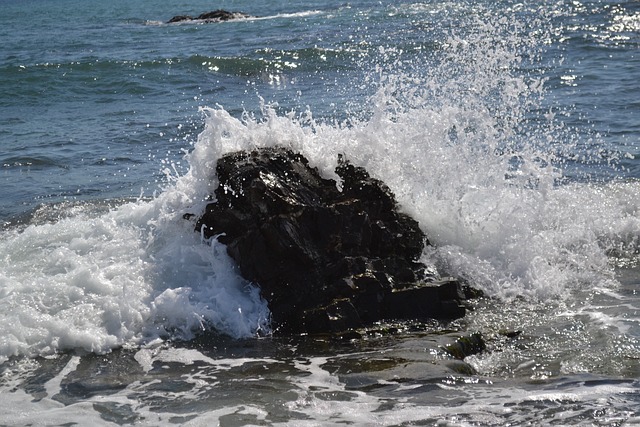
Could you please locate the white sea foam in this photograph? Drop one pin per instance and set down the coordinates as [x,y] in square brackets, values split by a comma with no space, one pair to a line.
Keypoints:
[302,14]
[510,231]
[121,278]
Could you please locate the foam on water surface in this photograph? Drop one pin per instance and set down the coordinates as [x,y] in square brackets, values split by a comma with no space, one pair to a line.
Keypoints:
[305,391]
[125,277]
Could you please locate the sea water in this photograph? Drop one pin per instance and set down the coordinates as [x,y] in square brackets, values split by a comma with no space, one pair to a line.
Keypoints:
[510,131]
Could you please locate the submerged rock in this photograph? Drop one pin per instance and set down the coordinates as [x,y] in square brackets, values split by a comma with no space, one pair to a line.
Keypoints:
[326,260]
[213,16]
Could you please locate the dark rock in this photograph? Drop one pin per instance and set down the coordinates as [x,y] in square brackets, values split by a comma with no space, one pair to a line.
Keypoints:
[326,260]
[510,334]
[466,346]
[439,299]
[213,16]
[221,15]
[180,18]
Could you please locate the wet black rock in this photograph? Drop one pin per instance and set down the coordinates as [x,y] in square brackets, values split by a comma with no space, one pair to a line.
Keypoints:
[466,346]
[326,260]
[213,16]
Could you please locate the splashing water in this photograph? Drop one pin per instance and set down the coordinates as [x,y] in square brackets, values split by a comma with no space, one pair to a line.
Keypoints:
[134,274]
[466,153]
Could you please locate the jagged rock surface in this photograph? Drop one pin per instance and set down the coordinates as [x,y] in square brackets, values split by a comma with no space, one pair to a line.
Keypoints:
[326,260]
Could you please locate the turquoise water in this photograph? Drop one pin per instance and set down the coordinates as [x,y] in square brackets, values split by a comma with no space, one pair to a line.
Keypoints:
[510,131]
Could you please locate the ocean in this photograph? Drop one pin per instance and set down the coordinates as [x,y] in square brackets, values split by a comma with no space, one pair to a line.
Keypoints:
[510,131]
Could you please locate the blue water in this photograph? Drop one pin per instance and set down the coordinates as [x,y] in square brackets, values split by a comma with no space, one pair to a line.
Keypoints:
[93,100]
[510,131]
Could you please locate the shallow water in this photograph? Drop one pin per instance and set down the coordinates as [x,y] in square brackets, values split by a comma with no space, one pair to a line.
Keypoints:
[403,379]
